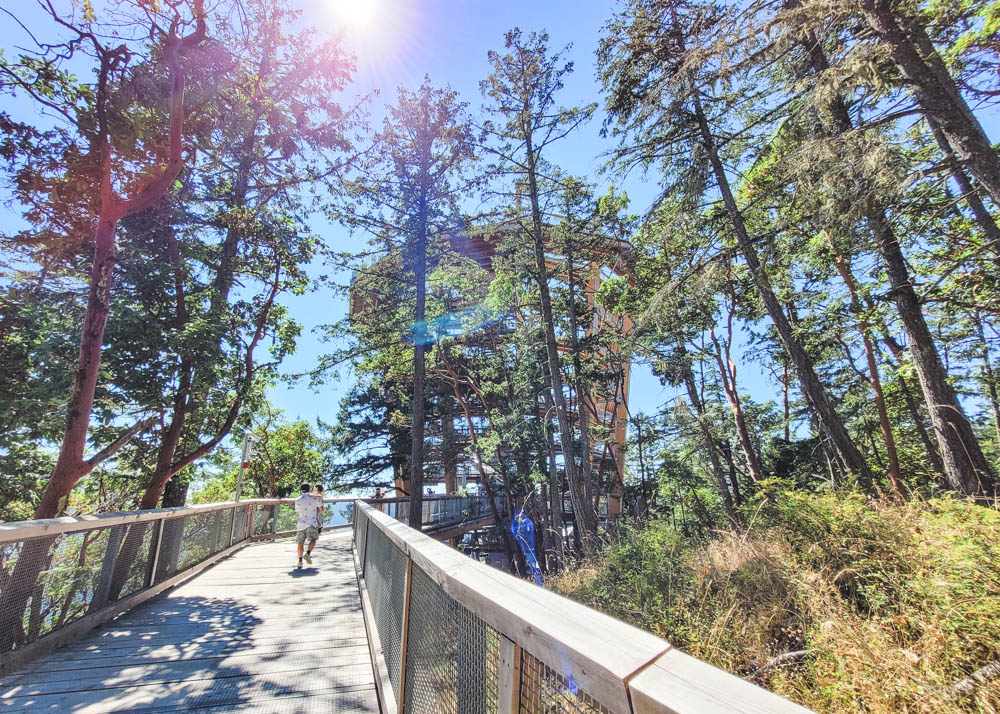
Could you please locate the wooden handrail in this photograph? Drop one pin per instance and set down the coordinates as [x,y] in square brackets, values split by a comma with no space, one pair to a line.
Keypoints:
[14,531]
[625,669]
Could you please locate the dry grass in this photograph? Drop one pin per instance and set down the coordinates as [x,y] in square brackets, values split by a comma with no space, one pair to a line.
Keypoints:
[894,603]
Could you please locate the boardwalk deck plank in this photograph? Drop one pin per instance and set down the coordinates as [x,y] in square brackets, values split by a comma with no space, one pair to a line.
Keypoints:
[249,635]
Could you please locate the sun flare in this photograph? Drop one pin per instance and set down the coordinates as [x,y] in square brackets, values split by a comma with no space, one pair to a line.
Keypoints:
[355,16]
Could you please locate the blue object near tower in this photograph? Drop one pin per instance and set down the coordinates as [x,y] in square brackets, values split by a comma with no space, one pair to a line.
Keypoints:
[523,529]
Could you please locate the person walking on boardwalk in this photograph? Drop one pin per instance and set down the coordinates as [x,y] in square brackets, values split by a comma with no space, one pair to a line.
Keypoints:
[318,493]
[307,508]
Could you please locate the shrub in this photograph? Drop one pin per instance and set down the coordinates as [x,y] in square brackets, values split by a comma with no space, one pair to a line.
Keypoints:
[893,603]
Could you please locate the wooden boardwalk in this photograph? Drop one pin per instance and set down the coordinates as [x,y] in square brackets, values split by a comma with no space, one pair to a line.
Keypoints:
[250,634]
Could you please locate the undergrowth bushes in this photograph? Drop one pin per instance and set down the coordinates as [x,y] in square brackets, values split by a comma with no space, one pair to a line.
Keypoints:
[888,606]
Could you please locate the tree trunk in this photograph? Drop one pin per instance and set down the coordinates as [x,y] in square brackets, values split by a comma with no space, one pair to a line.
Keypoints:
[936,92]
[583,510]
[70,466]
[582,388]
[642,501]
[812,388]
[727,372]
[555,485]
[965,467]
[508,539]
[971,195]
[989,378]
[785,402]
[918,422]
[419,366]
[709,446]
[888,440]
[727,454]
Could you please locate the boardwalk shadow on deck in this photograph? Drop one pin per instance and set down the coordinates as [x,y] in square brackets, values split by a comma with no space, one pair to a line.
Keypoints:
[269,641]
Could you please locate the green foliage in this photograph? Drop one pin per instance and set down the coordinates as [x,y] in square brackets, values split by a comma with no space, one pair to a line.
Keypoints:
[893,603]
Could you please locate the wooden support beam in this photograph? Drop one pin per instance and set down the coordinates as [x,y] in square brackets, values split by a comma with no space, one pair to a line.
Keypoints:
[154,553]
[509,684]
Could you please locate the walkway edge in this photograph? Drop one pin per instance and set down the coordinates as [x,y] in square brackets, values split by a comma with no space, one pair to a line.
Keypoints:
[383,685]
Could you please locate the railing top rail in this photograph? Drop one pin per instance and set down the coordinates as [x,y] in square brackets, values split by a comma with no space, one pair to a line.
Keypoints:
[435,497]
[598,651]
[607,658]
[14,531]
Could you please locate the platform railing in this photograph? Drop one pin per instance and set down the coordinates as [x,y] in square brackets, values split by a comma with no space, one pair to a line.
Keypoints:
[449,634]
[279,519]
[438,510]
[62,576]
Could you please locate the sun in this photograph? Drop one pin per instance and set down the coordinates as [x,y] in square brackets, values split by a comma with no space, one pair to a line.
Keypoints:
[356,17]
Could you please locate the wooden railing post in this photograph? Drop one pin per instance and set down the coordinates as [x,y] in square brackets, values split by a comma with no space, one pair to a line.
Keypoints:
[401,699]
[364,556]
[509,684]
[232,525]
[154,552]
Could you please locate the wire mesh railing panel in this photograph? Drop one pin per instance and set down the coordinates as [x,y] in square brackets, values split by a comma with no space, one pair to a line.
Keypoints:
[287,518]
[171,542]
[198,539]
[223,526]
[49,582]
[545,691]
[452,657]
[263,519]
[240,526]
[46,583]
[135,555]
[385,576]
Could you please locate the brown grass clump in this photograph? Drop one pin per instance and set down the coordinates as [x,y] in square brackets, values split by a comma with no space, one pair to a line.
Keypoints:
[893,605]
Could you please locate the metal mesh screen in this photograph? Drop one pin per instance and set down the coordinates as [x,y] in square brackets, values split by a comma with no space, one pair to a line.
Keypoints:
[287,519]
[223,526]
[197,540]
[50,583]
[239,528]
[452,657]
[170,547]
[385,577]
[544,691]
[136,552]
[262,520]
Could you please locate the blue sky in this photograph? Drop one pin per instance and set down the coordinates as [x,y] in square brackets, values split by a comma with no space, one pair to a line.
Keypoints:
[448,40]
